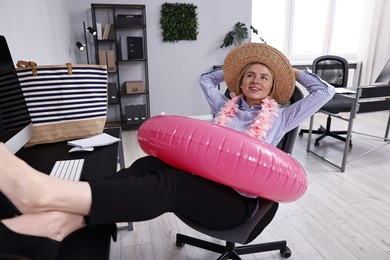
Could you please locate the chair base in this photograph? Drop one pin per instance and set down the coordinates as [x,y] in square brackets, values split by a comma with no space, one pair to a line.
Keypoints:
[230,251]
[324,132]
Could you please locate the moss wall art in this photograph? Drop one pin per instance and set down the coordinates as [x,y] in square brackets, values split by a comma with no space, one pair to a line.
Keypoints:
[179,22]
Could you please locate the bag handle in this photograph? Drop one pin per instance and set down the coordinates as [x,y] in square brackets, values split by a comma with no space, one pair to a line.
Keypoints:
[34,67]
[69,66]
[28,64]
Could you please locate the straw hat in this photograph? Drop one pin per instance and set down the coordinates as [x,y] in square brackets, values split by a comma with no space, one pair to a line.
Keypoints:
[239,57]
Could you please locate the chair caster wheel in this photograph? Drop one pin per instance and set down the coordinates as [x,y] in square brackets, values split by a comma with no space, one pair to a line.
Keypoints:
[316,144]
[300,134]
[350,145]
[285,252]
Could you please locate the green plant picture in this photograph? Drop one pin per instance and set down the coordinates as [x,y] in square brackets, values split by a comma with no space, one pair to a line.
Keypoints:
[179,22]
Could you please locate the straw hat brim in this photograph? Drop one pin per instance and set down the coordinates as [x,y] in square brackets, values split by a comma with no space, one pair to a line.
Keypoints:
[239,57]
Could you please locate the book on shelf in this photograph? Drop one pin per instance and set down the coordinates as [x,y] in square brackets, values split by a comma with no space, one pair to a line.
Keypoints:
[111,32]
[99,31]
[106,31]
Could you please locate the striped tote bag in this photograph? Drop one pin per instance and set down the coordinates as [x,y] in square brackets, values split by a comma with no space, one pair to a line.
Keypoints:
[65,102]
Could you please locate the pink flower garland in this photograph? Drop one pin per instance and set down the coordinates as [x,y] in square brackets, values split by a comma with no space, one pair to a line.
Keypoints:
[262,122]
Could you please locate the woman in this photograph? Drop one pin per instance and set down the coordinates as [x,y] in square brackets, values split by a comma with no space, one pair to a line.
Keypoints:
[262,81]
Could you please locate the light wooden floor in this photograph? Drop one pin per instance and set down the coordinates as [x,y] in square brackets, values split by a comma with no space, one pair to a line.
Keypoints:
[341,216]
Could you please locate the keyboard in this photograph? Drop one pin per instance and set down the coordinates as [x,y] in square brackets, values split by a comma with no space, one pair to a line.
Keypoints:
[68,169]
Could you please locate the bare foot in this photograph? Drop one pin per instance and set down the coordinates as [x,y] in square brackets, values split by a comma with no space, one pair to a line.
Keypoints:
[32,191]
[19,181]
[52,224]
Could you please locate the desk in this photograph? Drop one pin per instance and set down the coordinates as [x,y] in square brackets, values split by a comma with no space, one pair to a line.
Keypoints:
[86,243]
[367,99]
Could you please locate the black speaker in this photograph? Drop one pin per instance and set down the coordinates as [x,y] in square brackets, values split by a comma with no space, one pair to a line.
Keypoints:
[135,48]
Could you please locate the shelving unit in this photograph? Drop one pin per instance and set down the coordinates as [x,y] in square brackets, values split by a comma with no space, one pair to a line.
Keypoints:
[121,44]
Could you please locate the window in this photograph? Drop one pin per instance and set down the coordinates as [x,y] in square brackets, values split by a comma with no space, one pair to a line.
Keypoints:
[309,28]
[270,23]
[306,29]
[349,22]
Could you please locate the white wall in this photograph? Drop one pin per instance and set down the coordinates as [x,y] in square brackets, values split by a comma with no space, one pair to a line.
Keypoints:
[174,68]
[46,31]
[37,30]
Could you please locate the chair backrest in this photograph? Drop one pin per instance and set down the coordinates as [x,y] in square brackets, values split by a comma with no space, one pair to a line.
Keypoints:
[332,69]
[249,230]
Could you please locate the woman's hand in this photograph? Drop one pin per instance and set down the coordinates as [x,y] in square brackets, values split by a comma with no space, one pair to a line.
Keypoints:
[296,71]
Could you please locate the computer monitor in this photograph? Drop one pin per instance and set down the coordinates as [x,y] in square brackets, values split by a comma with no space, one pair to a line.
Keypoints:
[15,121]
[384,76]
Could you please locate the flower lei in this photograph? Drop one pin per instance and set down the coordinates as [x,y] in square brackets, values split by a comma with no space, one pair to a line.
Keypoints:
[262,122]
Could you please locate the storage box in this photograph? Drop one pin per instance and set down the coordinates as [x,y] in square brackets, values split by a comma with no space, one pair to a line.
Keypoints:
[102,57]
[136,86]
[112,93]
[107,58]
[142,113]
[135,114]
[111,67]
[132,114]
[129,20]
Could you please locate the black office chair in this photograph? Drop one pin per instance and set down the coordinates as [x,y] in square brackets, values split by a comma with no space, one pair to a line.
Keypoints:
[334,70]
[248,231]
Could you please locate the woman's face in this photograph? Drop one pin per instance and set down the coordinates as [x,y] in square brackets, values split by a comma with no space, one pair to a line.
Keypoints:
[256,83]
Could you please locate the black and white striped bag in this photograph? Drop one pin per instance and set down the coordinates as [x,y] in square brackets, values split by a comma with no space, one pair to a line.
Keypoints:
[64,101]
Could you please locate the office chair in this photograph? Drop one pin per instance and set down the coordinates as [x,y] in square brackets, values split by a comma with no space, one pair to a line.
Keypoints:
[334,70]
[248,231]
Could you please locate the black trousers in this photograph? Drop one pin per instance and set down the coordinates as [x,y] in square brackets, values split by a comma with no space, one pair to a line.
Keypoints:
[149,188]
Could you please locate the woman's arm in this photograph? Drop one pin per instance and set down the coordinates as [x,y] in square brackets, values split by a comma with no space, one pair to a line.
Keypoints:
[209,82]
[319,94]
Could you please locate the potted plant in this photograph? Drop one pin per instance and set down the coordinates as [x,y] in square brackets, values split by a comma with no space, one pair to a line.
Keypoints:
[238,35]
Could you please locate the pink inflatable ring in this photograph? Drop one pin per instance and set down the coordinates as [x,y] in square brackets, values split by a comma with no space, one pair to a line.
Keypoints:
[223,155]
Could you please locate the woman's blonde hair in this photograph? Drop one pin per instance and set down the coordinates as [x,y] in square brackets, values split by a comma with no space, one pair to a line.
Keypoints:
[242,73]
